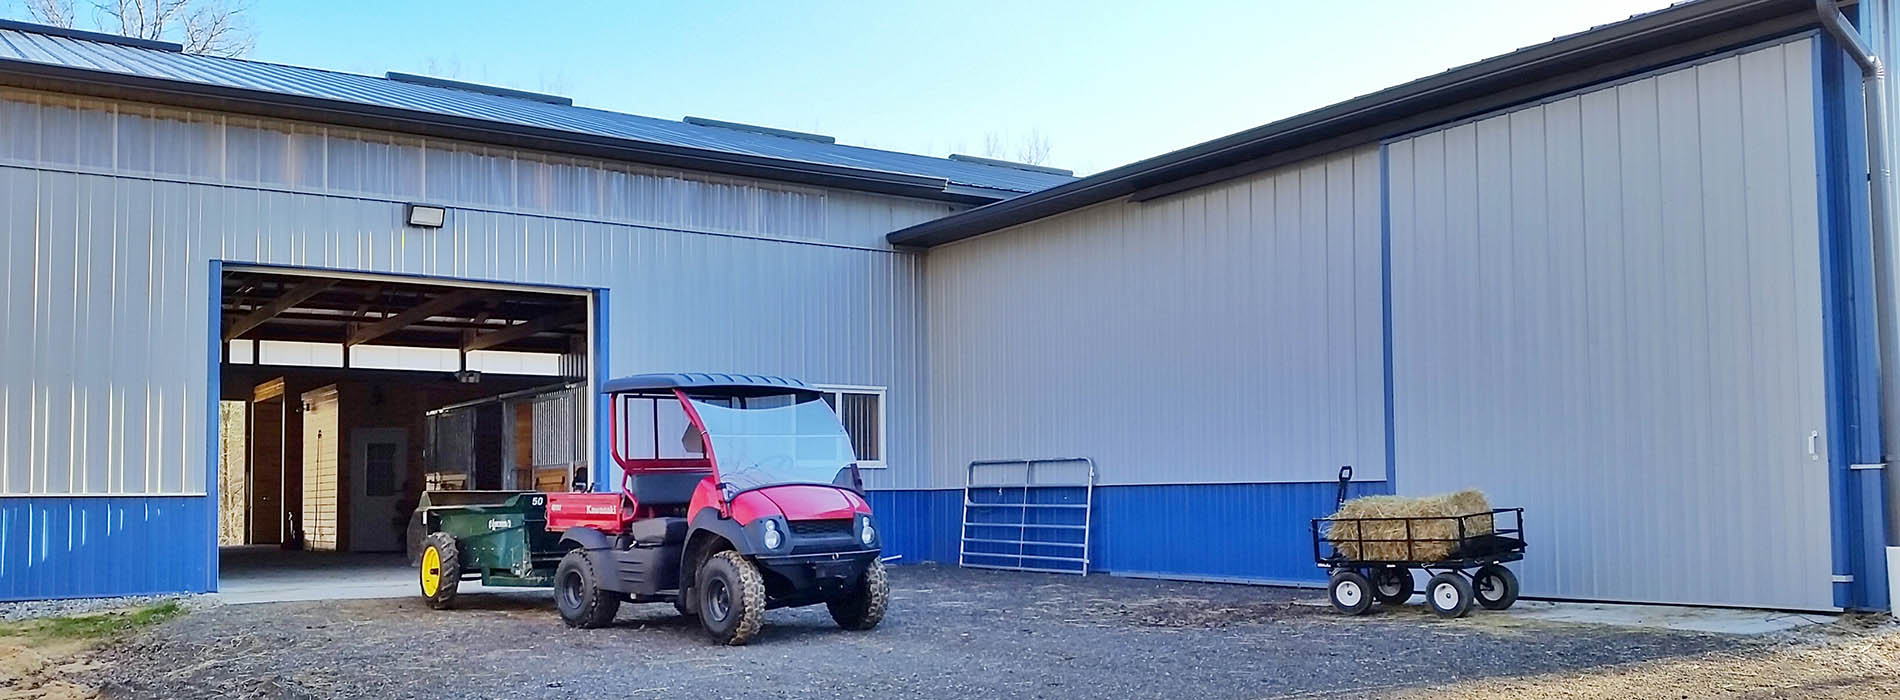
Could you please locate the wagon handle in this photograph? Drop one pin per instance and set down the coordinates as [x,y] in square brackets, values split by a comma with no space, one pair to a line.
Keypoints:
[1345,475]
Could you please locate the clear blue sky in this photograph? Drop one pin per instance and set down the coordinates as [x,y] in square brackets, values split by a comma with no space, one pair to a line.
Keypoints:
[1106,83]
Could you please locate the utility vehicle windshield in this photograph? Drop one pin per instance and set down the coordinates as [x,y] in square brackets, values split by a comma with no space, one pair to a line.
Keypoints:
[785,439]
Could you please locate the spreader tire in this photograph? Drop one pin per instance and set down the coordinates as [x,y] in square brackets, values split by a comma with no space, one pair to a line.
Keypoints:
[1494,586]
[1350,592]
[577,593]
[731,598]
[864,608]
[440,569]
[1449,594]
[1392,585]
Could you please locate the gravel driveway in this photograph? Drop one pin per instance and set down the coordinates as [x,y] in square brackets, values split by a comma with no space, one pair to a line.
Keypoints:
[951,633]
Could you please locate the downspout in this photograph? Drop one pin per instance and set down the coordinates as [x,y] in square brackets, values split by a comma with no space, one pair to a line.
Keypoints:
[1885,247]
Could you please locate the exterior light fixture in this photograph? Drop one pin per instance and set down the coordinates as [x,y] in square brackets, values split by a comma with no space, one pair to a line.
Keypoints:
[425,216]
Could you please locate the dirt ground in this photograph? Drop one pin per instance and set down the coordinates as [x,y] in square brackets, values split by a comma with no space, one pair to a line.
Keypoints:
[957,633]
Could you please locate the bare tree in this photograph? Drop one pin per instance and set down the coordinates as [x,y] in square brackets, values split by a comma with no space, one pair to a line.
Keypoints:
[214,27]
[1031,149]
[1034,149]
[993,146]
[59,13]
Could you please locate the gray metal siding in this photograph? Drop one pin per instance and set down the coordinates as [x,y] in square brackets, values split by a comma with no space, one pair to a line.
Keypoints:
[112,59]
[1606,309]
[1228,335]
[110,215]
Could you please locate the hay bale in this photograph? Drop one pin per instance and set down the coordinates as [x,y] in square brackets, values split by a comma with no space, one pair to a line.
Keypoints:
[1433,538]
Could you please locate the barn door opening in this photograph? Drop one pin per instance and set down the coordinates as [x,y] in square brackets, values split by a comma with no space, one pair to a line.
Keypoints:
[338,376]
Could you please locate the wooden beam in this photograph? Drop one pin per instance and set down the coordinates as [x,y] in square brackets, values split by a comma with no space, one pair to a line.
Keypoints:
[415,313]
[284,302]
[519,331]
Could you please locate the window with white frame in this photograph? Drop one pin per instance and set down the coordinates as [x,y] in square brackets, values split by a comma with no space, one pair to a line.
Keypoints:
[861,408]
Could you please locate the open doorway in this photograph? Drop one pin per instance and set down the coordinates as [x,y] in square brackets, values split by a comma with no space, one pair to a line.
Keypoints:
[344,397]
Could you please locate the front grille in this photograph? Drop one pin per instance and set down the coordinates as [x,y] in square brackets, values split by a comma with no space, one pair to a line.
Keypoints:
[821,527]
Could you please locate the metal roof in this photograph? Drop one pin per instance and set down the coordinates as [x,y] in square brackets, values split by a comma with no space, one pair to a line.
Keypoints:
[700,380]
[54,59]
[1680,32]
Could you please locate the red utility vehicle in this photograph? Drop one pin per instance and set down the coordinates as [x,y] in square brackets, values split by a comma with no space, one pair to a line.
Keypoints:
[738,493]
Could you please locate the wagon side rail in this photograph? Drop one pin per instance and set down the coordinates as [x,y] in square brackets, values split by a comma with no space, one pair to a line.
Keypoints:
[1330,546]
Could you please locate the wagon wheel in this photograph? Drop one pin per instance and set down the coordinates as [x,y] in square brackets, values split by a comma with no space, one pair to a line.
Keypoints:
[440,569]
[1449,594]
[1392,585]
[1494,586]
[1350,592]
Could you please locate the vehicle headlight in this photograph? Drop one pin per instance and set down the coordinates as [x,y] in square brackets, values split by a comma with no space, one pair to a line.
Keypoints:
[867,533]
[773,538]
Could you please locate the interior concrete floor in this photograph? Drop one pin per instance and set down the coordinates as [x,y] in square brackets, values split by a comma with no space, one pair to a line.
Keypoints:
[268,574]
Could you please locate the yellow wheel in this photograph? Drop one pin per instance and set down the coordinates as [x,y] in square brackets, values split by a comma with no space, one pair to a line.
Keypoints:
[441,569]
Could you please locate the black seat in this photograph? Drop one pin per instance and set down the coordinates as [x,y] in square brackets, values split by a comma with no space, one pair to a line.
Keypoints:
[657,532]
[666,489]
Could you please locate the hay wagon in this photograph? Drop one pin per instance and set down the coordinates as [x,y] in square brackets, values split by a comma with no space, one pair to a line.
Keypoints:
[1371,558]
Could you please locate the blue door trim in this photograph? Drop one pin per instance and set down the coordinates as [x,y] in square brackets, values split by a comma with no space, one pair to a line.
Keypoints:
[1850,334]
[1385,312]
[604,468]
[214,393]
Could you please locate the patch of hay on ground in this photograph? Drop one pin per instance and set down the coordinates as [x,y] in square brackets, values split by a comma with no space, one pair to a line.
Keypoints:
[29,673]
[1861,665]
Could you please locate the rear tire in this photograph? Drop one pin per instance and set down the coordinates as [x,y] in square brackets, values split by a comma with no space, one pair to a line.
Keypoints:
[1449,594]
[731,598]
[1392,585]
[577,593]
[1494,586]
[1350,592]
[864,608]
[440,569]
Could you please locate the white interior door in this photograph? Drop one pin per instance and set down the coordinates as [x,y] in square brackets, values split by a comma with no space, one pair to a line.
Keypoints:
[379,466]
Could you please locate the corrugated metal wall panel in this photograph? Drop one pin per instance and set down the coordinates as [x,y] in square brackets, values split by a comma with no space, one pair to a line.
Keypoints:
[1606,309]
[95,136]
[1231,334]
[79,547]
[366,159]
[1169,530]
[90,258]
[918,526]
[106,322]
[1158,530]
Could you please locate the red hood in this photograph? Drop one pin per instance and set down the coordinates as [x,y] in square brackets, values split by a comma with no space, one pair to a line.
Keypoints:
[803,502]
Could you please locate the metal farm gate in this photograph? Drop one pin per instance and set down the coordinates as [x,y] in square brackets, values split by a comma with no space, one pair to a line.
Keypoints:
[1028,515]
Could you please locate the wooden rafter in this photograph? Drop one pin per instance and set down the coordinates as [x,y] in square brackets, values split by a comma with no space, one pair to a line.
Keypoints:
[519,331]
[284,302]
[432,307]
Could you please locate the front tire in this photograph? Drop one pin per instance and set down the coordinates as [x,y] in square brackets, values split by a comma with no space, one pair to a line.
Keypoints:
[864,608]
[1350,592]
[440,570]
[731,598]
[577,593]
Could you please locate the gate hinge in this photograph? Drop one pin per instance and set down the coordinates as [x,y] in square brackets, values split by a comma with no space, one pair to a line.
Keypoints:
[1875,465]
[1843,578]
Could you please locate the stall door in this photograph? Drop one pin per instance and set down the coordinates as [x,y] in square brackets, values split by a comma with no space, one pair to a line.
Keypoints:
[320,453]
[379,466]
[1606,309]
